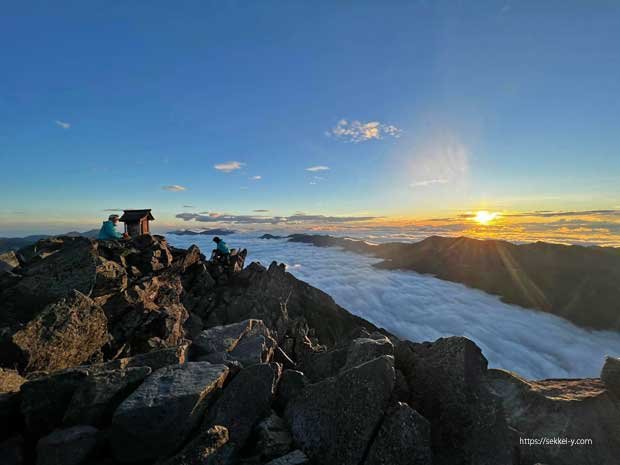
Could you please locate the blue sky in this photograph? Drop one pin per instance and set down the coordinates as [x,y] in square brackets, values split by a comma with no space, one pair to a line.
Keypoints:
[418,109]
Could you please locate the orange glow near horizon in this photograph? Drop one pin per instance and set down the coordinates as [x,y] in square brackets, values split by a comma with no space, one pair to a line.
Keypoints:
[485,217]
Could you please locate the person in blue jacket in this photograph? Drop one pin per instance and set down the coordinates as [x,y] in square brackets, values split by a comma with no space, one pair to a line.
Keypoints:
[222,248]
[108,229]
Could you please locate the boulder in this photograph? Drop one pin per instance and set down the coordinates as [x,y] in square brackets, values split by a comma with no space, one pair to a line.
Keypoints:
[8,261]
[96,399]
[274,438]
[10,380]
[446,381]
[152,253]
[71,446]
[199,289]
[222,338]
[44,400]
[246,399]
[292,383]
[110,277]
[155,359]
[560,408]
[610,375]
[334,420]
[65,334]
[158,416]
[207,450]
[59,267]
[296,457]
[404,438]
[321,364]
[363,349]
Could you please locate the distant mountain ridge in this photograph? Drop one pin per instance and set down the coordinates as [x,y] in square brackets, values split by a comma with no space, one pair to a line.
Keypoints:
[15,243]
[581,284]
[206,232]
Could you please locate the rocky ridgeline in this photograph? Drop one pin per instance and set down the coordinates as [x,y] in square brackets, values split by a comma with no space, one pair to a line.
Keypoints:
[140,353]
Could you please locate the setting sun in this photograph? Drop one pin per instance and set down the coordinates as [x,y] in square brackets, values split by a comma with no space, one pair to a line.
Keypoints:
[484,217]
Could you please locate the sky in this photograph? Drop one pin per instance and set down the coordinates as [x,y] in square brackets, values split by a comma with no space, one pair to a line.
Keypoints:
[314,115]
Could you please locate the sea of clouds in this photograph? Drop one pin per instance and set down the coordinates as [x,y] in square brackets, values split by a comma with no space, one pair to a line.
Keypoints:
[423,308]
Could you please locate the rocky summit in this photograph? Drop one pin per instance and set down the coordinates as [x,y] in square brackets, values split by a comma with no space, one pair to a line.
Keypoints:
[136,352]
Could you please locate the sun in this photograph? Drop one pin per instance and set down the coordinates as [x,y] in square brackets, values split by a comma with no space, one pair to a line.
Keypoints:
[484,217]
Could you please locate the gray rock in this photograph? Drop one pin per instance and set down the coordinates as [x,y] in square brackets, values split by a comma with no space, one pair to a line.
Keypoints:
[364,349]
[334,420]
[209,448]
[446,381]
[404,438]
[571,408]
[318,365]
[96,399]
[158,416]
[296,457]
[155,359]
[65,334]
[71,446]
[246,399]
[44,400]
[274,438]
[610,375]
[222,338]
[8,261]
[292,383]
[253,349]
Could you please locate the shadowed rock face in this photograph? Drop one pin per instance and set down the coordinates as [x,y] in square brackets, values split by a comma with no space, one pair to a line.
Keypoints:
[575,282]
[183,361]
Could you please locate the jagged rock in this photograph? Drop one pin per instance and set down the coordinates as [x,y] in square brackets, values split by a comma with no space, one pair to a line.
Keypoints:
[187,258]
[446,384]
[10,380]
[248,343]
[71,446]
[274,438]
[322,364]
[296,457]
[152,255]
[198,289]
[12,451]
[364,349]
[279,299]
[158,416]
[8,261]
[246,399]
[44,400]
[334,420]
[292,383]
[155,359]
[610,375]
[64,334]
[404,438]
[96,399]
[147,316]
[564,408]
[110,277]
[207,449]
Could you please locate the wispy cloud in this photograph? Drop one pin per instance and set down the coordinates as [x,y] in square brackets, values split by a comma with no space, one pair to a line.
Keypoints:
[317,168]
[358,131]
[256,178]
[229,166]
[174,188]
[112,209]
[188,206]
[428,182]
[63,124]
[260,210]
[297,218]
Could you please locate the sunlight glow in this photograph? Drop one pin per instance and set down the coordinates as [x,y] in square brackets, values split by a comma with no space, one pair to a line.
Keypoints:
[484,217]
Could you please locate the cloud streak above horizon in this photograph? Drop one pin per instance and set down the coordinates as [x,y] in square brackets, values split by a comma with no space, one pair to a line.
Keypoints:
[229,166]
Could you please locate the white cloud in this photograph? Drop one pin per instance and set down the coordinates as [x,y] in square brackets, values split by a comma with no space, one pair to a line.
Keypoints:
[256,178]
[63,124]
[174,188]
[428,182]
[424,308]
[317,168]
[229,166]
[358,131]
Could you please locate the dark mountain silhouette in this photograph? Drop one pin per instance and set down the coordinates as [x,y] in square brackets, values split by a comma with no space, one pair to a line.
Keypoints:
[581,284]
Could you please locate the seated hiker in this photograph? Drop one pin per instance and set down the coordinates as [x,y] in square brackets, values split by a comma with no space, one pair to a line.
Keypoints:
[221,250]
[108,229]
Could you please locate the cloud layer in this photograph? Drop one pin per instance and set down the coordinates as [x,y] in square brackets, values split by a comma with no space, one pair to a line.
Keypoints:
[298,218]
[174,188]
[423,308]
[314,169]
[358,131]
